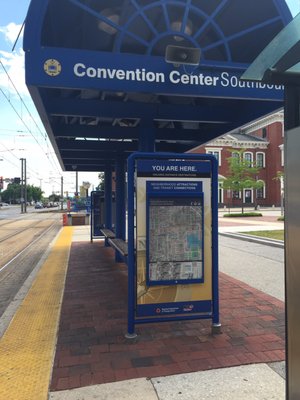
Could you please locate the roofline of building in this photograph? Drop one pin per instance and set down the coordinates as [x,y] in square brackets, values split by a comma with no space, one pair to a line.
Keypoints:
[247,129]
[261,123]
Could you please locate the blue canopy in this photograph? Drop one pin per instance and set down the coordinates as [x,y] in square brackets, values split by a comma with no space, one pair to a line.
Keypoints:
[104,86]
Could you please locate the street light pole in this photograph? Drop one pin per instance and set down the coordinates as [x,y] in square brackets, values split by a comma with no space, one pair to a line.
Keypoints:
[23,186]
[76,186]
[62,193]
[1,183]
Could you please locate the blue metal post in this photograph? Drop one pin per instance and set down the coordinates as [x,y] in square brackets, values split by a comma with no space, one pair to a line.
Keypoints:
[120,203]
[92,217]
[108,197]
[216,325]
[131,251]
[147,137]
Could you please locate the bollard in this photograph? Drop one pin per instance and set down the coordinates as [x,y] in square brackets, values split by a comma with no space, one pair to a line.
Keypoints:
[65,219]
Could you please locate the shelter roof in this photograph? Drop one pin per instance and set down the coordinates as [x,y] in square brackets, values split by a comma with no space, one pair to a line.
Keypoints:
[98,74]
[280,60]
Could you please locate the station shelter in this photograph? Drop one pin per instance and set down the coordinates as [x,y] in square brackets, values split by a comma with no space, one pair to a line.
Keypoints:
[279,63]
[113,77]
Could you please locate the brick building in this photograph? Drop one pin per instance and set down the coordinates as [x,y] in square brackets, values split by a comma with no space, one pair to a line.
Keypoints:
[262,141]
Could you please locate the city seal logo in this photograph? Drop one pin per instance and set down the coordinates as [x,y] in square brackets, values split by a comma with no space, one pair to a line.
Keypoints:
[52,67]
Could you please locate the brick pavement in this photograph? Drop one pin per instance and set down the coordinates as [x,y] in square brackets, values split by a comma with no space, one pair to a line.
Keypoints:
[91,347]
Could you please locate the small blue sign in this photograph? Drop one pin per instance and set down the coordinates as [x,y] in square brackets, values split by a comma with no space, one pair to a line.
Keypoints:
[175,308]
[161,168]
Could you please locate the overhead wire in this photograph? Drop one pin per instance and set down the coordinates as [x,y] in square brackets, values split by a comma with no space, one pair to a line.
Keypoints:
[44,136]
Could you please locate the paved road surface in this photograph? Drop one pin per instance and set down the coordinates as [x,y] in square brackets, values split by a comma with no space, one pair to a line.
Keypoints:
[260,266]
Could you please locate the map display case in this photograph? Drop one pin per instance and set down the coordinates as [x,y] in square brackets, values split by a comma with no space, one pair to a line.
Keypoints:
[172,238]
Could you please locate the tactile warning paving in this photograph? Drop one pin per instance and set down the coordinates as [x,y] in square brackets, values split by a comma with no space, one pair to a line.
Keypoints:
[27,347]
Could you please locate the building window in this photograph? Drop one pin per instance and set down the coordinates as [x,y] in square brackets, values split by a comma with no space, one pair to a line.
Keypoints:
[260,160]
[264,133]
[249,158]
[281,147]
[261,192]
[236,194]
[216,153]
[220,193]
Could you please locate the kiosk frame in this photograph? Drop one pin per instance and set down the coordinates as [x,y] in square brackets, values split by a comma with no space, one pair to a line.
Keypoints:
[202,309]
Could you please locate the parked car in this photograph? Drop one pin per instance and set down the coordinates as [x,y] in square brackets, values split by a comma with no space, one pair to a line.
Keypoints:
[4,204]
[38,206]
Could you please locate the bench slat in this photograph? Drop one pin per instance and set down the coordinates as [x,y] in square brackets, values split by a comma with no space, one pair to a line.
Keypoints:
[108,233]
[120,245]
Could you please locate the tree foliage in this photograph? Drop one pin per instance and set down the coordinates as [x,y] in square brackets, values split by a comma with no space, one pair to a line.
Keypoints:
[242,174]
[13,193]
[101,181]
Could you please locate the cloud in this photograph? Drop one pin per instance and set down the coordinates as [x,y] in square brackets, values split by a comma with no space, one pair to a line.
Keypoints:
[13,64]
[11,32]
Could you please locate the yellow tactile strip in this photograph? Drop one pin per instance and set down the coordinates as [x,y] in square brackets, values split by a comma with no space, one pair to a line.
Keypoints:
[27,347]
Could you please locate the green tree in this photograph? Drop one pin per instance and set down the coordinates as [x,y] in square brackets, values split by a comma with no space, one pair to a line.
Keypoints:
[54,198]
[101,183]
[242,174]
[12,194]
[34,193]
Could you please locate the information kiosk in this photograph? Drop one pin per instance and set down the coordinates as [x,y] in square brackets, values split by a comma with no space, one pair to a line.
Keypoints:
[172,238]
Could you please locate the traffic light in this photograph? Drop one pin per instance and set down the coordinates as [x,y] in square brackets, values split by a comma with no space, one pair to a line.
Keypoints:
[1,182]
[17,181]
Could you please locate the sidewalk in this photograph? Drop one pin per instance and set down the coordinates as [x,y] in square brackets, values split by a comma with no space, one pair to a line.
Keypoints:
[269,221]
[70,333]
[178,360]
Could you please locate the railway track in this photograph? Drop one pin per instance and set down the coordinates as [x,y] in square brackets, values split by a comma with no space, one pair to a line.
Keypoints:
[23,243]
[21,230]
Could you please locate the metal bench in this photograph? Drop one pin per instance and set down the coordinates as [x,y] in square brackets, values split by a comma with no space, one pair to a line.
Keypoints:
[120,245]
[108,233]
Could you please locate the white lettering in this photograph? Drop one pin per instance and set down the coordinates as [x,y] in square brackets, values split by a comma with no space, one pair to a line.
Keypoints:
[158,167]
[185,79]
[224,79]
[140,75]
[78,69]
[174,77]
[91,72]
[188,168]
[202,80]
[172,168]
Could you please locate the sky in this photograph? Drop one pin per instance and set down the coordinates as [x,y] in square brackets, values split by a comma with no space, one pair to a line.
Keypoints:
[22,135]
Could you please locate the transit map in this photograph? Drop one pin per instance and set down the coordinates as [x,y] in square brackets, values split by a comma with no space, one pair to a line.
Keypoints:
[175,239]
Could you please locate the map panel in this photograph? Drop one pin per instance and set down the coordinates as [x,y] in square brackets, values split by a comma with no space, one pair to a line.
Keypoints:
[175,238]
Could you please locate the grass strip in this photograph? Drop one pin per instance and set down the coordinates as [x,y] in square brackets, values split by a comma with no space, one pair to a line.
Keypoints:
[276,234]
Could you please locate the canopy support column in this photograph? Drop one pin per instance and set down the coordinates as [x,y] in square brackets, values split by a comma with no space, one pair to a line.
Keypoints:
[120,202]
[108,196]
[147,137]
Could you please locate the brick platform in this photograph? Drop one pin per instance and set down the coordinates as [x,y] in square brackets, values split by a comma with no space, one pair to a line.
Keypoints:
[91,347]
